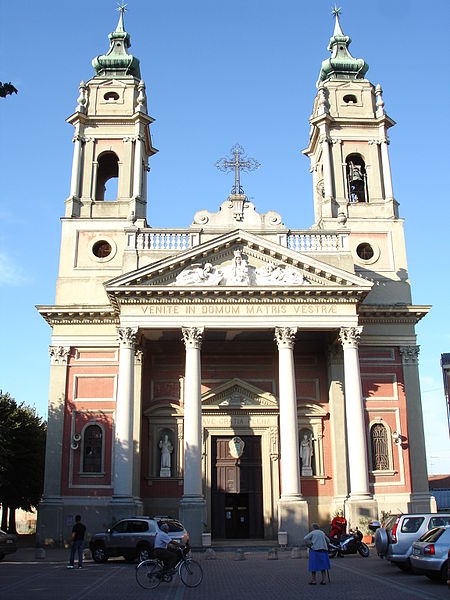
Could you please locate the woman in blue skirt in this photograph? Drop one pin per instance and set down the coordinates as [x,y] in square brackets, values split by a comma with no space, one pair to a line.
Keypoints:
[319,560]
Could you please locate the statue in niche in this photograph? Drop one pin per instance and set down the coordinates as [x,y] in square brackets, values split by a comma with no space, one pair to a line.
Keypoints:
[166,458]
[306,454]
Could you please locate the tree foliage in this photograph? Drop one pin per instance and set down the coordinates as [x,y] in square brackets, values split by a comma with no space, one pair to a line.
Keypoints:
[22,455]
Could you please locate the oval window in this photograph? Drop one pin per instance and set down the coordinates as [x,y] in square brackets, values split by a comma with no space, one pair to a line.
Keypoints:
[111,96]
[365,251]
[350,99]
[101,249]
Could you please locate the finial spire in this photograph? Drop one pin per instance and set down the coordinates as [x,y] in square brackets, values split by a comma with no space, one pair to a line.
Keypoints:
[117,62]
[341,65]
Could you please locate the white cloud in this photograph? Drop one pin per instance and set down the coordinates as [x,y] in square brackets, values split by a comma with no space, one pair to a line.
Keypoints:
[10,274]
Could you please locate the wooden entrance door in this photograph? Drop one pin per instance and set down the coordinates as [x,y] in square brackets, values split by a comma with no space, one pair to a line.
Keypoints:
[236,494]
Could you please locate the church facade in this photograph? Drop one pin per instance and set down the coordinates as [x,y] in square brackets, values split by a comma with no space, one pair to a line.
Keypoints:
[241,375]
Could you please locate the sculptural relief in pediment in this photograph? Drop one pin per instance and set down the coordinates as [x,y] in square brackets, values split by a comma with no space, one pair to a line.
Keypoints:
[239,272]
[236,394]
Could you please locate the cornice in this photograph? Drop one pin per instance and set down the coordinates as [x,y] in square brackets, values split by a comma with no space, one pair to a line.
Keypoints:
[392,313]
[78,315]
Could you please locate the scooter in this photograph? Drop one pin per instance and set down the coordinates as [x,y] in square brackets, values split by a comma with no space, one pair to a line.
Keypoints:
[348,544]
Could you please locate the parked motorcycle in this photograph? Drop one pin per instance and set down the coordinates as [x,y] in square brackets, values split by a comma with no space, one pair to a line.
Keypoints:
[348,544]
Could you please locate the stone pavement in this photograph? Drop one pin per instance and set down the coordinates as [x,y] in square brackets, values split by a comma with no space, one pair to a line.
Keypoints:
[22,577]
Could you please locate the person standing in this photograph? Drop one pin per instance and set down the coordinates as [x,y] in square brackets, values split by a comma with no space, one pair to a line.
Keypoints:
[78,531]
[338,525]
[319,560]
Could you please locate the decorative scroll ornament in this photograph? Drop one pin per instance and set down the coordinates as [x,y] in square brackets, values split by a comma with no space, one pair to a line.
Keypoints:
[59,355]
[349,336]
[127,336]
[285,336]
[192,336]
[409,354]
[236,446]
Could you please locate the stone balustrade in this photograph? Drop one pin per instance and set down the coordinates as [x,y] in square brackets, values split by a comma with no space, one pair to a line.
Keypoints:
[177,240]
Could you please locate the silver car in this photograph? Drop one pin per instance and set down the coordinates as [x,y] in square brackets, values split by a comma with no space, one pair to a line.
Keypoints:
[430,554]
[394,541]
[134,538]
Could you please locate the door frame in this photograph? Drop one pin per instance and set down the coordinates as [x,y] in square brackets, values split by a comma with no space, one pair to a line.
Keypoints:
[244,423]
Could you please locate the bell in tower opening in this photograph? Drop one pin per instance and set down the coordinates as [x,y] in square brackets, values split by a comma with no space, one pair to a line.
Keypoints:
[356,178]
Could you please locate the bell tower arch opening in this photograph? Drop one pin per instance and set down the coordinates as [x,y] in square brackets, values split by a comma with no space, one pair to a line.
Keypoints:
[356,178]
[107,177]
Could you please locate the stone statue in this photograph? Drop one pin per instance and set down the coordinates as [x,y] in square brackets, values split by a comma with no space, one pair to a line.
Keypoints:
[239,274]
[166,451]
[306,454]
[198,274]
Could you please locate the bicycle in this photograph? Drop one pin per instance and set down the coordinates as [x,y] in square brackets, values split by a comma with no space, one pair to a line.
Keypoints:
[150,573]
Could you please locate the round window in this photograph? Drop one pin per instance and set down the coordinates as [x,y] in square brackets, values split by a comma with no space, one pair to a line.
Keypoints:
[101,249]
[365,251]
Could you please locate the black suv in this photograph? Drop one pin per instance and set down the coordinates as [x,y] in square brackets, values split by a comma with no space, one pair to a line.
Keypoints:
[134,538]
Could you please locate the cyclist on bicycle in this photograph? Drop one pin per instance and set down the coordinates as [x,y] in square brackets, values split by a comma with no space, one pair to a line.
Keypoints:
[166,549]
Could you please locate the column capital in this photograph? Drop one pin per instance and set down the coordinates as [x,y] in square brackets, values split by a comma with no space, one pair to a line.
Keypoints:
[193,337]
[127,336]
[59,355]
[285,336]
[349,336]
[409,354]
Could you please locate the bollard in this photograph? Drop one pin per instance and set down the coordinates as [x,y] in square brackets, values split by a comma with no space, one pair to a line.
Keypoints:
[39,553]
[296,552]
[210,554]
[239,554]
[272,554]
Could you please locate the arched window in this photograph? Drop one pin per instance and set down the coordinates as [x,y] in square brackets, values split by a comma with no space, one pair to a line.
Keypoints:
[92,449]
[107,176]
[356,178]
[380,449]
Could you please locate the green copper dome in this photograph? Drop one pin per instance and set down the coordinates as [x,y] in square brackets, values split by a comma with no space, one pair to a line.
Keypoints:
[341,65]
[117,62]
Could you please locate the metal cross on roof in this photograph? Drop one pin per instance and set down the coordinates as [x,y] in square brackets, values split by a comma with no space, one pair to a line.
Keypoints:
[239,162]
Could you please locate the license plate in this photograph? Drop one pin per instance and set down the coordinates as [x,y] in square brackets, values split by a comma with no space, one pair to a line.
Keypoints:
[416,551]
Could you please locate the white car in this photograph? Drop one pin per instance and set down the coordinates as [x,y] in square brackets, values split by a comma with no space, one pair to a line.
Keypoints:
[430,554]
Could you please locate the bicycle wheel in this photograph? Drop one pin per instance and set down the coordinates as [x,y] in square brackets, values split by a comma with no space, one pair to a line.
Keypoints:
[148,574]
[191,573]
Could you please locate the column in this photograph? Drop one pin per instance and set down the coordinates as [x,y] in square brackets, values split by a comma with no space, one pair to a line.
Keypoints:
[386,166]
[292,508]
[75,181]
[290,461]
[420,496]
[192,505]
[337,424]
[123,442]
[354,411]
[50,513]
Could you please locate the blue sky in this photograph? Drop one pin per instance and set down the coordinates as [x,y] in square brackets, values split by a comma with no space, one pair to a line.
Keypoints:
[218,73]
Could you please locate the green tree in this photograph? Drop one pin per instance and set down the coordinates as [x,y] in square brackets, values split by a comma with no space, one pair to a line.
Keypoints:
[22,435]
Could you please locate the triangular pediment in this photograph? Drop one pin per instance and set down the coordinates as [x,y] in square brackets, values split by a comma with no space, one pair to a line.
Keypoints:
[235,394]
[238,260]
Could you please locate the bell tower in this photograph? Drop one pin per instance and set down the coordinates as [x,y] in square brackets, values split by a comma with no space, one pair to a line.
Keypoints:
[112,140]
[352,183]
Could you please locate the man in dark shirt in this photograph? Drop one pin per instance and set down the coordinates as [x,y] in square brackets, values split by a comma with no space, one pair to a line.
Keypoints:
[78,531]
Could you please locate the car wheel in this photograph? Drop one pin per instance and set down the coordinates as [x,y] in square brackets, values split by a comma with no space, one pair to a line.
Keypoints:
[144,553]
[99,554]
[444,572]
[381,541]
[433,576]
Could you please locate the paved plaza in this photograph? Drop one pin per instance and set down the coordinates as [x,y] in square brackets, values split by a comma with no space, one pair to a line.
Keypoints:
[22,577]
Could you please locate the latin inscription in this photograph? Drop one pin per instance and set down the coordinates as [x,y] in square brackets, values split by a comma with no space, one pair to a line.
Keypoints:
[241,309]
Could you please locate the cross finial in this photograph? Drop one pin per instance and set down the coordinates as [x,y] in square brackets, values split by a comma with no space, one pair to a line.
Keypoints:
[239,162]
[335,11]
[122,7]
